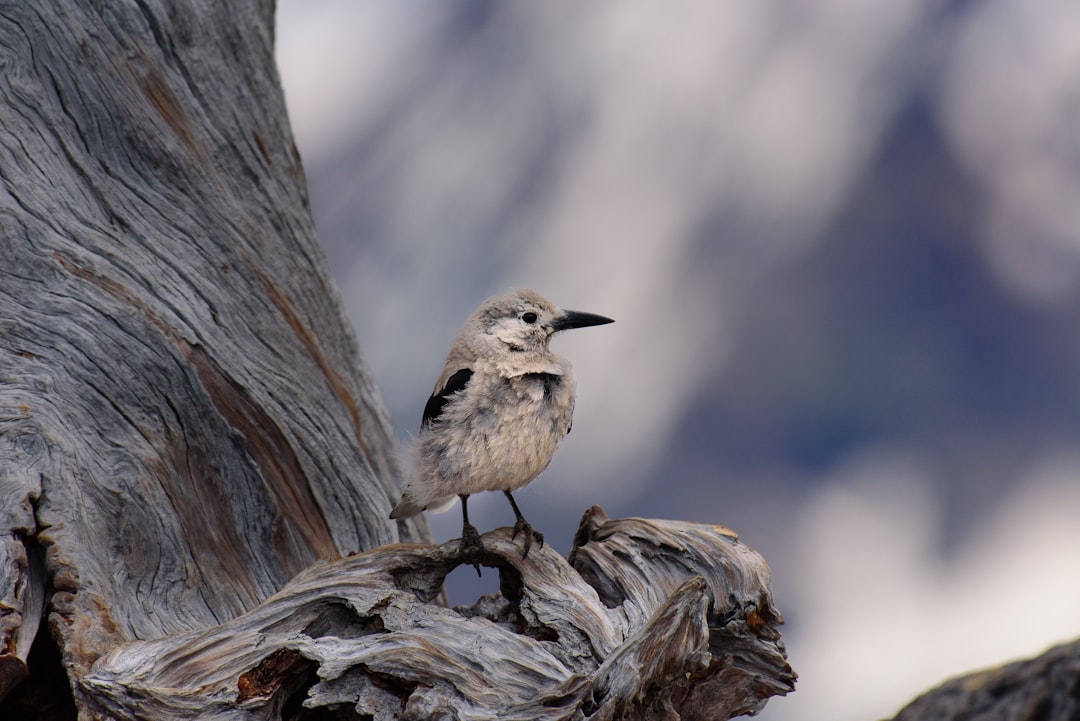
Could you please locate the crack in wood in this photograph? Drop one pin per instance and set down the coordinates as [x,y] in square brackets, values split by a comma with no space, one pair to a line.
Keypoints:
[307,338]
[267,445]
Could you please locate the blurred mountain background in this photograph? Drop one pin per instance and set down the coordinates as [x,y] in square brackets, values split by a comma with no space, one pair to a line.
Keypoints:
[841,241]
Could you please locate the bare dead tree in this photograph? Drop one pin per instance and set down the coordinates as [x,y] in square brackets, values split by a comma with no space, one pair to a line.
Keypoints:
[196,469]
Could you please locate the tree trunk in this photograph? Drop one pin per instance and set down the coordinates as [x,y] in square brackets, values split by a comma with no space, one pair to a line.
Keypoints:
[186,425]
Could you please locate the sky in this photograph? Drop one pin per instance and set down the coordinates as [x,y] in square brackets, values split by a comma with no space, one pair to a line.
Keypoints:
[841,244]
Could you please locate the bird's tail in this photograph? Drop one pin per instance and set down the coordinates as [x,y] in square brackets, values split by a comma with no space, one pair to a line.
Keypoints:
[406,507]
[417,496]
[410,506]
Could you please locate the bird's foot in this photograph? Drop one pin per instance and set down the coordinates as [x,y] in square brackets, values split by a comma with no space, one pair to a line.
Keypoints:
[470,544]
[522,526]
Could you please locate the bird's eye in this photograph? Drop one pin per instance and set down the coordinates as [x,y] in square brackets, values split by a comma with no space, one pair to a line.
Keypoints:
[529,317]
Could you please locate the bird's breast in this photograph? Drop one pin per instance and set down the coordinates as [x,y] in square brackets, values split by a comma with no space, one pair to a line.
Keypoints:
[501,432]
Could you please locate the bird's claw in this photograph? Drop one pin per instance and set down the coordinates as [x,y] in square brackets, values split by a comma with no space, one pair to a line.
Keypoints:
[522,526]
[471,544]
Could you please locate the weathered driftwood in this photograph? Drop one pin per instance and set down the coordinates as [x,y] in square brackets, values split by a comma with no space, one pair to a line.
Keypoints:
[648,620]
[1044,688]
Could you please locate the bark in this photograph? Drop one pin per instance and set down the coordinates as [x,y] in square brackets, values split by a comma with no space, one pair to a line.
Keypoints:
[186,425]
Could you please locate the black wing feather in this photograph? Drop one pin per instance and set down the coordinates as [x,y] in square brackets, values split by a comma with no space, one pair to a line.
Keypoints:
[434,407]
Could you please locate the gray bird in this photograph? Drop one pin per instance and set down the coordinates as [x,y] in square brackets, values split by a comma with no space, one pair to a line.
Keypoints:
[499,409]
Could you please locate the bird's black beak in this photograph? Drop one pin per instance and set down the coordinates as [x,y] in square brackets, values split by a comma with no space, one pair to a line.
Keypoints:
[576,319]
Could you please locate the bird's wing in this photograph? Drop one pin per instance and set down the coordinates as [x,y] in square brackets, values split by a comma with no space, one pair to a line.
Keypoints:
[434,407]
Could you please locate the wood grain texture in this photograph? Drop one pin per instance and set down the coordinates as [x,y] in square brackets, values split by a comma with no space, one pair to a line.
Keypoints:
[362,636]
[185,422]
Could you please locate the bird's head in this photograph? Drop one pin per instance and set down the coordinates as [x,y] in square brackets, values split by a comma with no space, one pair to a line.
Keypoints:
[524,321]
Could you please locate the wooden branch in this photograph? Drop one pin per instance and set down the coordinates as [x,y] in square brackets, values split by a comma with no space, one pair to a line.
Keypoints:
[648,620]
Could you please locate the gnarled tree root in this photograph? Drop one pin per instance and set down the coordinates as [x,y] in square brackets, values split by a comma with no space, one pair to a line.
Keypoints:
[646,620]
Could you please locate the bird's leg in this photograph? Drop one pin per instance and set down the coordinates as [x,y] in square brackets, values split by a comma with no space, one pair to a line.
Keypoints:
[470,539]
[521,525]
